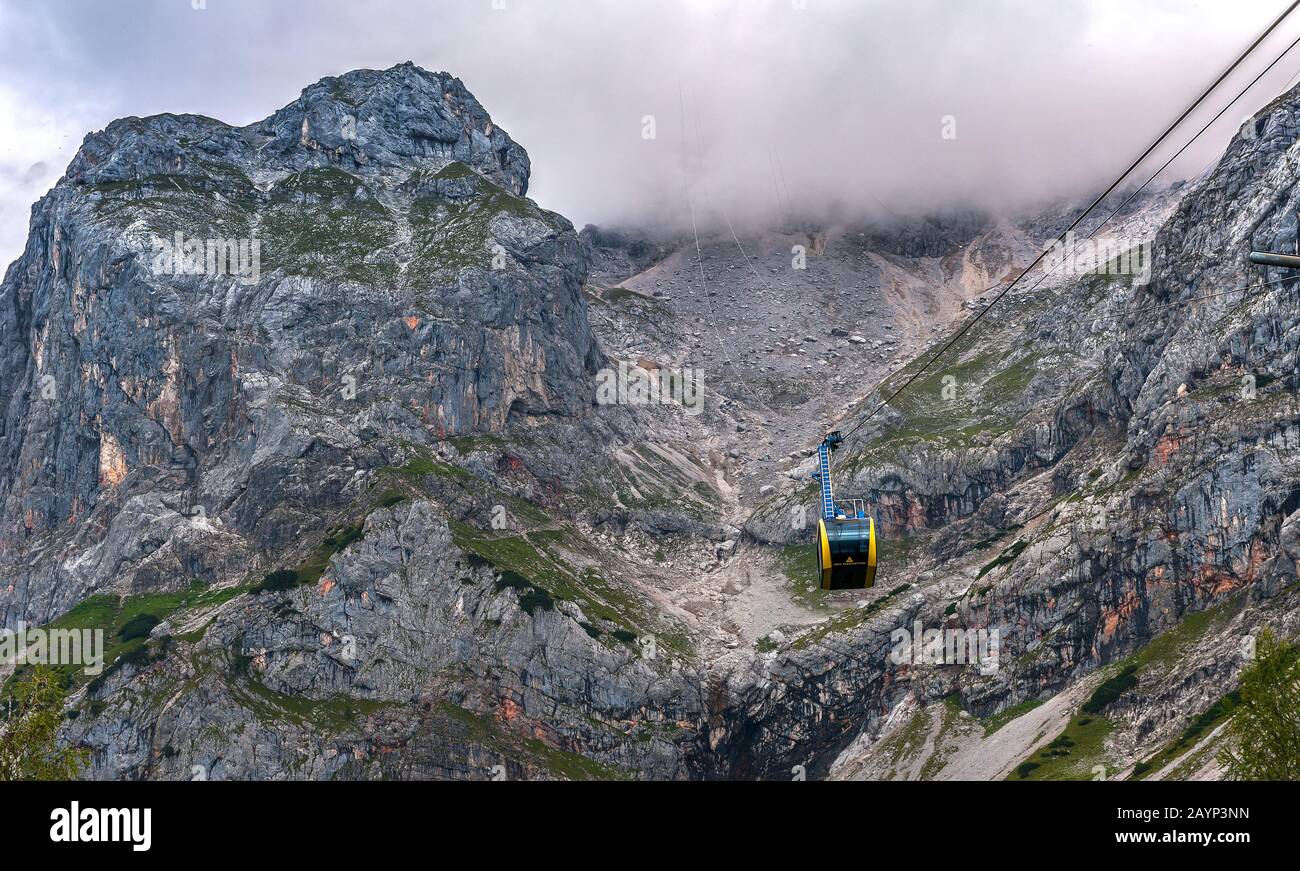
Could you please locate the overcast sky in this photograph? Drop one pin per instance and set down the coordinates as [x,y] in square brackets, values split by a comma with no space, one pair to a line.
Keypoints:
[830,107]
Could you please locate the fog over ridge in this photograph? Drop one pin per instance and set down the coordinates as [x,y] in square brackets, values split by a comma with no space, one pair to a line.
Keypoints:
[830,109]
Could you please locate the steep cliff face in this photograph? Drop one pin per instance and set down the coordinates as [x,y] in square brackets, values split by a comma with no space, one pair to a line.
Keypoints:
[377,278]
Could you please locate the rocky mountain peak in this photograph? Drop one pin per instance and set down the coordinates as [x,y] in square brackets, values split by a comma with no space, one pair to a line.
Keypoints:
[369,122]
[371,119]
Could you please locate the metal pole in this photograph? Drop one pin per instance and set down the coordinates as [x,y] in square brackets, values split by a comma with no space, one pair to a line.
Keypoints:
[1266,258]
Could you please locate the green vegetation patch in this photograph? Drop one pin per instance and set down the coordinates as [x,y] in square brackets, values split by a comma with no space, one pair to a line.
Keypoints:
[126,622]
[1006,715]
[535,564]
[424,464]
[451,235]
[1111,689]
[798,562]
[968,392]
[138,626]
[325,223]
[1203,723]
[993,539]
[220,204]
[468,444]
[310,572]
[1157,657]
[1072,755]
[1165,650]
[1007,557]
[338,714]
[531,597]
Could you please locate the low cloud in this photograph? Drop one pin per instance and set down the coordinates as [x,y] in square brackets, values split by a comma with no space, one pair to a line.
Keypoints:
[755,109]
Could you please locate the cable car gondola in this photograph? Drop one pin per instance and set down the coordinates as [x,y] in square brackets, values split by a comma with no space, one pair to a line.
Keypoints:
[846,536]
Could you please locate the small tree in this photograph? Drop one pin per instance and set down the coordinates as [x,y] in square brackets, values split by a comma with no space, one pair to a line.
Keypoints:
[1264,732]
[29,748]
